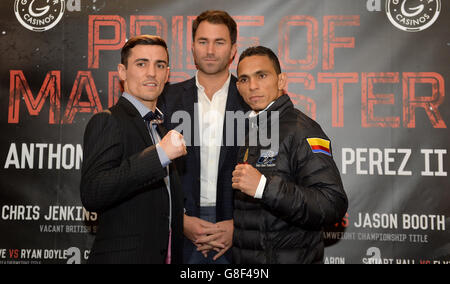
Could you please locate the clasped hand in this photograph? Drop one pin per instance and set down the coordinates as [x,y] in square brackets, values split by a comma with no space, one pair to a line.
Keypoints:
[207,236]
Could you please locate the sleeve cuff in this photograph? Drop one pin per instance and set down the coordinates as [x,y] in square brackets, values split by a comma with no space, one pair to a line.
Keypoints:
[260,190]
[165,161]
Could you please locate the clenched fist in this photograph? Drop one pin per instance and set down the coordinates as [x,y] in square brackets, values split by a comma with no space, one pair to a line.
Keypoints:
[173,144]
[246,179]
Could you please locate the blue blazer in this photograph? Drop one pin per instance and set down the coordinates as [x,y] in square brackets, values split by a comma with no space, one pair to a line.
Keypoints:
[184,96]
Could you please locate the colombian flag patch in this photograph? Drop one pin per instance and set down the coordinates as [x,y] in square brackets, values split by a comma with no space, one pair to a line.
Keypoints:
[319,145]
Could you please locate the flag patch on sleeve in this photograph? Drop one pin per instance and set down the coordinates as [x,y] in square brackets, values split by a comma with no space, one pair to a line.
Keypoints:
[319,145]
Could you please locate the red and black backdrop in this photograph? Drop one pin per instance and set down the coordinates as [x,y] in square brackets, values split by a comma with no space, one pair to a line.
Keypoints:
[373,73]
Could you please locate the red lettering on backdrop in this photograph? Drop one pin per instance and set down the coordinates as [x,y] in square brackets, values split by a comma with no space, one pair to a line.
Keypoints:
[337,81]
[369,100]
[176,57]
[19,89]
[331,42]
[312,38]
[430,104]
[308,105]
[96,44]
[190,64]
[84,81]
[108,32]
[137,22]
[244,42]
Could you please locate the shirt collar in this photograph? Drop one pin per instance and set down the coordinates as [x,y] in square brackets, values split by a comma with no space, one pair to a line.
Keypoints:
[141,108]
[224,88]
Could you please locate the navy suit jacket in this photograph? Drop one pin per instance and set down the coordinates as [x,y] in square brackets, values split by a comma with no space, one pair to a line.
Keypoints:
[184,96]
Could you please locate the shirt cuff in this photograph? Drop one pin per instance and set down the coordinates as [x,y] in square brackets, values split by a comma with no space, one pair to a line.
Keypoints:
[261,186]
[165,161]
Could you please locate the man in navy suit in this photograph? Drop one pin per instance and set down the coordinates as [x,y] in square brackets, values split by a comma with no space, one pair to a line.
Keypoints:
[206,171]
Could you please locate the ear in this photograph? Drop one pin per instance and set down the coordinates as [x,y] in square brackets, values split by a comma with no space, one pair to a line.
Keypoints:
[282,81]
[233,51]
[122,72]
[238,85]
[167,75]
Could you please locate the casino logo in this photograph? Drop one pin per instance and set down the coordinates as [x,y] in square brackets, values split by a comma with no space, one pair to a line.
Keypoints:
[413,15]
[39,15]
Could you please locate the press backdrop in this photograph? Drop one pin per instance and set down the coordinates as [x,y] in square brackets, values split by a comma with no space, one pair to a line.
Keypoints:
[373,73]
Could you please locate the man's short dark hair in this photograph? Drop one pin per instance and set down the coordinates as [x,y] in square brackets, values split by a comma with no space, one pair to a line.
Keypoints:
[262,51]
[216,17]
[141,40]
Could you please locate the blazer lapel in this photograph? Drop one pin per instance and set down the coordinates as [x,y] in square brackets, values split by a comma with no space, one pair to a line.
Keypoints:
[137,120]
[233,104]
[190,103]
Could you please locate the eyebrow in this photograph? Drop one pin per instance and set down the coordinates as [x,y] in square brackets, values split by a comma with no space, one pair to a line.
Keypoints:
[214,39]
[162,61]
[147,60]
[254,73]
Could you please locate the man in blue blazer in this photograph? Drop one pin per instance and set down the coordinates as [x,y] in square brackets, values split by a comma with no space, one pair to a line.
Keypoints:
[206,170]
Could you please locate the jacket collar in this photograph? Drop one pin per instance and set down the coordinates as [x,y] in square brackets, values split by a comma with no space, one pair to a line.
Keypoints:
[280,105]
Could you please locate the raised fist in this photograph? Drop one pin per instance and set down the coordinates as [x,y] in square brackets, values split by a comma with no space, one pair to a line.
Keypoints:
[173,144]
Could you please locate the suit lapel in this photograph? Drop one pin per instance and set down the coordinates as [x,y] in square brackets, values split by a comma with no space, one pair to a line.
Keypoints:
[233,104]
[190,102]
[136,119]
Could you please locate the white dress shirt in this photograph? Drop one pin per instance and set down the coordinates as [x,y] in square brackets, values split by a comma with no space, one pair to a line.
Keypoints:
[211,120]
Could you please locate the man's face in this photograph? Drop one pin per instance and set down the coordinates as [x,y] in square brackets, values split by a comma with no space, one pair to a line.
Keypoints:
[146,74]
[258,82]
[212,48]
